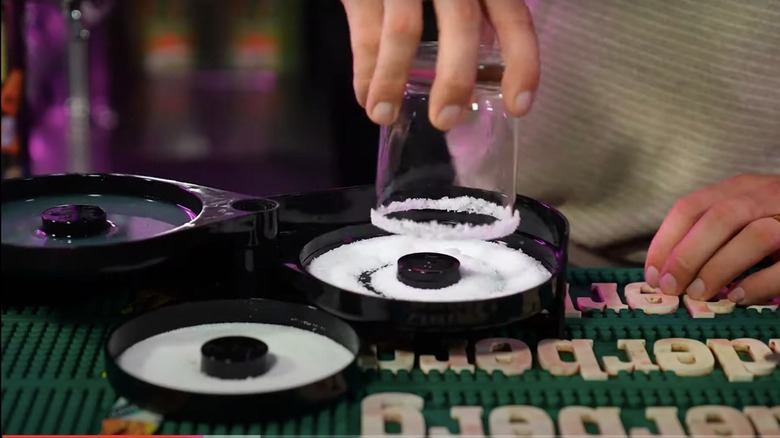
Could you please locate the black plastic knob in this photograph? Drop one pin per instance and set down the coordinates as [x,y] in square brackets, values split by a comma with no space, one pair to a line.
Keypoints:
[74,221]
[234,357]
[428,270]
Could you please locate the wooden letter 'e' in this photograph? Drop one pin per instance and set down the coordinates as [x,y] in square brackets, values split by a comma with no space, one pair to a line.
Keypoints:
[641,296]
[685,357]
[585,361]
[490,357]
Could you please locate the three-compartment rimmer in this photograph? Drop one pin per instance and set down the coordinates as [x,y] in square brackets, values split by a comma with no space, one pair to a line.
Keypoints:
[191,261]
[262,304]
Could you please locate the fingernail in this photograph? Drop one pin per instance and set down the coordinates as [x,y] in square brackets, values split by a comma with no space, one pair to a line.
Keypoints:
[651,276]
[669,284]
[383,113]
[523,101]
[737,295]
[449,116]
[696,289]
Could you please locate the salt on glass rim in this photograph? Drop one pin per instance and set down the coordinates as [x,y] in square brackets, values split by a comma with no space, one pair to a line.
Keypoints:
[507,218]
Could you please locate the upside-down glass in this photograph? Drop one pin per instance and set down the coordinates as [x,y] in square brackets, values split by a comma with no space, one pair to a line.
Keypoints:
[454,184]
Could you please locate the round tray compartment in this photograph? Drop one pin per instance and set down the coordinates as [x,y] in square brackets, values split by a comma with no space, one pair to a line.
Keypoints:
[66,231]
[235,399]
[542,234]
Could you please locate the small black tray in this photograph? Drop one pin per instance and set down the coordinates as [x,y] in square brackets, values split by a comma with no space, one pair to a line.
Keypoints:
[543,233]
[218,407]
[231,235]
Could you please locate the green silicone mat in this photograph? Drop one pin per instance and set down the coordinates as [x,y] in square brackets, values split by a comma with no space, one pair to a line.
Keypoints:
[52,368]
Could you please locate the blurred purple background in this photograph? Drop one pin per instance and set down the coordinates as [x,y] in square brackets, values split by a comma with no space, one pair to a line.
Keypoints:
[253,96]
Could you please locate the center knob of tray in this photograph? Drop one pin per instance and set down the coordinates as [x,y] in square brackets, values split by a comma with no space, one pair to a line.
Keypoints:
[428,270]
[234,357]
[74,220]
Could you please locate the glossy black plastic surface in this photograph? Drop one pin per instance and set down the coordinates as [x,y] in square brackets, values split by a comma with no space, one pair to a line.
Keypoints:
[428,270]
[234,357]
[73,220]
[225,226]
[211,407]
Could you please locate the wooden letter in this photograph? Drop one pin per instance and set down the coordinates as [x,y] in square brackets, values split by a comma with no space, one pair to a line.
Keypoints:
[520,421]
[761,308]
[705,309]
[642,296]
[367,359]
[469,422]
[490,356]
[403,360]
[686,357]
[765,420]
[638,358]
[608,294]
[665,419]
[774,344]
[708,421]
[572,419]
[733,366]
[568,305]
[457,360]
[584,358]
[404,409]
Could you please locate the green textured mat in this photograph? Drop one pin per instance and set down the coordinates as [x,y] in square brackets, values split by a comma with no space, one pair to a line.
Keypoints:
[52,368]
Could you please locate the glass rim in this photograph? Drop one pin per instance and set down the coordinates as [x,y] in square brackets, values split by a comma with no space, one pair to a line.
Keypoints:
[489,54]
[490,65]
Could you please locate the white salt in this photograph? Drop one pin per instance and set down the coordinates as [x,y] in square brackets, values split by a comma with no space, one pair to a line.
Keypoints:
[506,218]
[488,269]
[172,359]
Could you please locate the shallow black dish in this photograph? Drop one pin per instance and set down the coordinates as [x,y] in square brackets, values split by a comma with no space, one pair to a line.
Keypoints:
[543,233]
[217,407]
[224,228]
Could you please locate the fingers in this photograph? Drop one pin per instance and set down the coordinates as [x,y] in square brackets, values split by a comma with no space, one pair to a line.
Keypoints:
[758,240]
[401,31]
[687,212]
[384,36]
[714,229]
[758,288]
[722,221]
[675,226]
[460,26]
[520,51]
[365,28]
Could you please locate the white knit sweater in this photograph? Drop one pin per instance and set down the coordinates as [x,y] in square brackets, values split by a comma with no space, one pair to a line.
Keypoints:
[643,102]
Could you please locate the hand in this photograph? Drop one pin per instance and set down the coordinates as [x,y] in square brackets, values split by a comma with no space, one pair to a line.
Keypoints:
[384,37]
[715,234]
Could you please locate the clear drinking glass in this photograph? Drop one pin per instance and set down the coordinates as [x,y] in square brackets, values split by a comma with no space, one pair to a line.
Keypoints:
[458,184]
